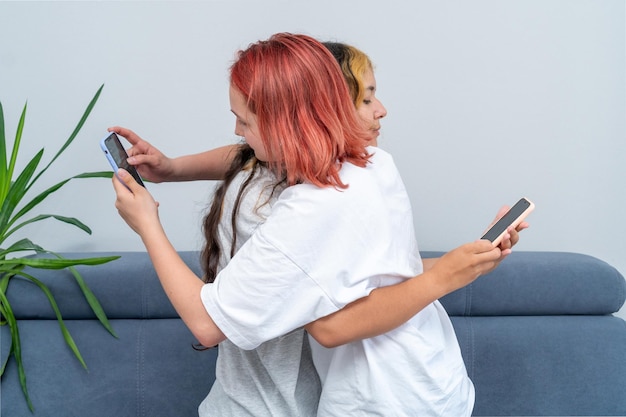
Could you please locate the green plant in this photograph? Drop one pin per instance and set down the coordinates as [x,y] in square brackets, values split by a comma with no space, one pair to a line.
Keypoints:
[13,210]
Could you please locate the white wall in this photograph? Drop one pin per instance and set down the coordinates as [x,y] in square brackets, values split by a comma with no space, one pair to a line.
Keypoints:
[488,101]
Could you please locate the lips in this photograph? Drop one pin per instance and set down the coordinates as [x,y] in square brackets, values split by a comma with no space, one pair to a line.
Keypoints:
[374,133]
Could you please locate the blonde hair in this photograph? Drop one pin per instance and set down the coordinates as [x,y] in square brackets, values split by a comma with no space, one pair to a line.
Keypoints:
[353,63]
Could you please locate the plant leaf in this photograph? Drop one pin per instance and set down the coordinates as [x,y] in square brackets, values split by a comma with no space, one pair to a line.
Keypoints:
[96,307]
[43,195]
[6,277]
[80,124]
[66,334]
[33,203]
[16,348]
[19,246]
[16,146]
[93,302]
[18,140]
[98,174]
[4,177]
[50,263]
[70,220]
[16,191]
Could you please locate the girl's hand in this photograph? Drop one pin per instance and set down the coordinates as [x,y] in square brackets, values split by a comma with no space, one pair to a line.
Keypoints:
[135,204]
[151,163]
[512,236]
[463,265]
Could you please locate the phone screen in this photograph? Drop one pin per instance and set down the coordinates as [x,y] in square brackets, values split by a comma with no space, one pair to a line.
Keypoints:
[116,152]
[505,221]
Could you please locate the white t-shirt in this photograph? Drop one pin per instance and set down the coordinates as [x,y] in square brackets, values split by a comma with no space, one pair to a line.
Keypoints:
[322,248]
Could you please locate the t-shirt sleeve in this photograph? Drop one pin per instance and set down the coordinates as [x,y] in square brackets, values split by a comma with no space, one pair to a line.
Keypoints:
[262,294]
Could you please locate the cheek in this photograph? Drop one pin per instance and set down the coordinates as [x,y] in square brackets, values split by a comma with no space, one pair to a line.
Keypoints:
[365,115]
[252,138]
[257,145]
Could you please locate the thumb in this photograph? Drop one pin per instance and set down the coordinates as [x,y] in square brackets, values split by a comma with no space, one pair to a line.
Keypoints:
[482,246]
[128,180]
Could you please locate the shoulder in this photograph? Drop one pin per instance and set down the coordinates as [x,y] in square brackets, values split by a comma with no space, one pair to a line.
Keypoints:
[380,155]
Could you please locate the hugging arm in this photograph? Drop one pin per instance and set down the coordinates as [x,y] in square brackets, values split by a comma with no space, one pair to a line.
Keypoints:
[155,166]
[386,308]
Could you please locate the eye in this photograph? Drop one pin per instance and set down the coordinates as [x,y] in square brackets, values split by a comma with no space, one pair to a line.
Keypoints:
[367,102]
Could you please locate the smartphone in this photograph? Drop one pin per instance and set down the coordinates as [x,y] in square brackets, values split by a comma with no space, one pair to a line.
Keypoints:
[513,217]
[117,156]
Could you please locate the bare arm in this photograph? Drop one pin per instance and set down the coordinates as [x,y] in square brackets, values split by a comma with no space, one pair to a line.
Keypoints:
[180,283]
[386,308]
[154,166]
[428,263]
[208,165]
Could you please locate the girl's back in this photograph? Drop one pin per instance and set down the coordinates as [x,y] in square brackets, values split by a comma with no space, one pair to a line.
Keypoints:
[277,379]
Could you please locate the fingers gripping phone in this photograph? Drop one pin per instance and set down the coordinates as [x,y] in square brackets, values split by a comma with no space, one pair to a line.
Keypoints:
[117,156]
[513,217]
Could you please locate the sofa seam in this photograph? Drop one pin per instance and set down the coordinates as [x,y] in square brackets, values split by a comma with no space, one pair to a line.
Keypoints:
[140,410]
[473,341]
[468,300]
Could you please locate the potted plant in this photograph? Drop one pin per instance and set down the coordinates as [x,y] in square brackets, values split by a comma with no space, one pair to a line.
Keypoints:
[16,206]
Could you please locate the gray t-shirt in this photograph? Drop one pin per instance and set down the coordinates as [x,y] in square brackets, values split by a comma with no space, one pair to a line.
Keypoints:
[277,378]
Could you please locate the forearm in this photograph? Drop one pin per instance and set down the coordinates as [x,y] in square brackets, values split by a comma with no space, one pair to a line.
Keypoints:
[428,263]
[182,286]
[388,307]
[383,310]
[209,165]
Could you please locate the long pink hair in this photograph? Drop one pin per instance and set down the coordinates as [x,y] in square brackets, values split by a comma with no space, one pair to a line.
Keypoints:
[307,121]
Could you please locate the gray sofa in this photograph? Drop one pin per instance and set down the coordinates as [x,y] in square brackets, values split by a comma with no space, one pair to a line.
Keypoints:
[537,335]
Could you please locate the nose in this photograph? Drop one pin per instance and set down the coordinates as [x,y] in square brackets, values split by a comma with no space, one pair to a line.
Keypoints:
[238,130]
[380,111]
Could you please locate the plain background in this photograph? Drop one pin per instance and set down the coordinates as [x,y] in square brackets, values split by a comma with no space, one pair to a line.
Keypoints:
[488,101]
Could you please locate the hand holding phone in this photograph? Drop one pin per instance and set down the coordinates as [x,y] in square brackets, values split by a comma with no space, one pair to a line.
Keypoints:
[513,217]
[117,156]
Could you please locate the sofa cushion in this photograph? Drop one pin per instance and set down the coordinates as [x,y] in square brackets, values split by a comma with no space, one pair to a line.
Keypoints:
[545,365]
[151,369]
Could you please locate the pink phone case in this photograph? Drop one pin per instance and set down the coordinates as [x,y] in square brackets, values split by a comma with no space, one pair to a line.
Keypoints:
[513,217]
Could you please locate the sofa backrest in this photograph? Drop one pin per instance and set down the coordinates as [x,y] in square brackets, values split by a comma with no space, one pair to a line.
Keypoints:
[542,284]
